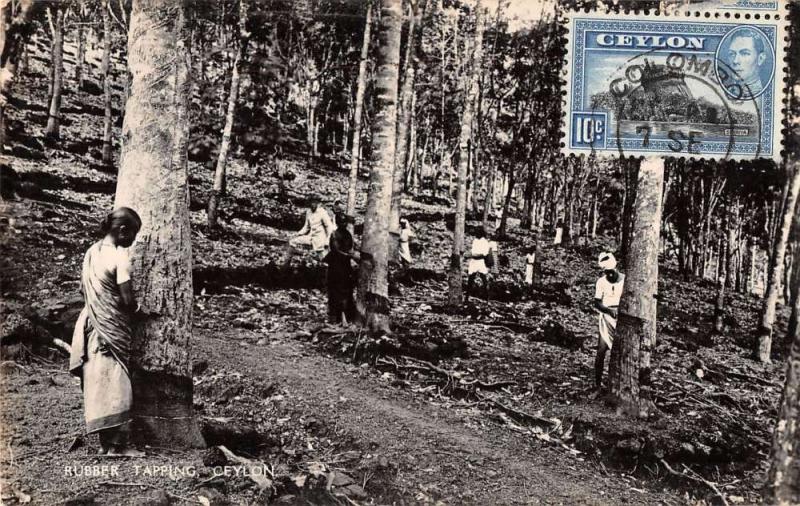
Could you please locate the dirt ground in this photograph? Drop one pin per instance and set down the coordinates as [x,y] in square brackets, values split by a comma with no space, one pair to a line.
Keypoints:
[489,404]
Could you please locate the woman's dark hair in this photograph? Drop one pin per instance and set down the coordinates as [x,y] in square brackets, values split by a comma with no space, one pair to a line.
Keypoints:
[118,218]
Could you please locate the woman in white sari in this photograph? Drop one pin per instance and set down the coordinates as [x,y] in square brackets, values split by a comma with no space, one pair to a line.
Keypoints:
[102,338]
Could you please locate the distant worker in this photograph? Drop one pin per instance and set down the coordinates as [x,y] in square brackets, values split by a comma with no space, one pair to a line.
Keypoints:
[316,230]
[405,236]
[480,260]
[608,291]
[530,262]
[341,275]
[559,232]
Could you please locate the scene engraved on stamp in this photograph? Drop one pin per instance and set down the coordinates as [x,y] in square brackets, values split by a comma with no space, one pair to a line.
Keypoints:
[685,87]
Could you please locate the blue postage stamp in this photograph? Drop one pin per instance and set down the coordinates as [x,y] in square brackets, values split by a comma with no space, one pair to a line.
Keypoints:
[671,86]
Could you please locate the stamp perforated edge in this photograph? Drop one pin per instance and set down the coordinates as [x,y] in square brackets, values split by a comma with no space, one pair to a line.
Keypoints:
[711,15]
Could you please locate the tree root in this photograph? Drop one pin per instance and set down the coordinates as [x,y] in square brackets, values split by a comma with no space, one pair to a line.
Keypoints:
[693,476]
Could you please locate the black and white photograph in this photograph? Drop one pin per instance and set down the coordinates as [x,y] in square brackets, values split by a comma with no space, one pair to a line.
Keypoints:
[399,252]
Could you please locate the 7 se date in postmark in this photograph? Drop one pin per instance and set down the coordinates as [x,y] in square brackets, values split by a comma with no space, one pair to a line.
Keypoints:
[687,87]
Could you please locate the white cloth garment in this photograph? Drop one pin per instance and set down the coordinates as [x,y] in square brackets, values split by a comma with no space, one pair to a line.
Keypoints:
[110,258]
[405,251]
[480,248]
[609,294]
[530,260]
[316,230]
[559,234]
[606,261]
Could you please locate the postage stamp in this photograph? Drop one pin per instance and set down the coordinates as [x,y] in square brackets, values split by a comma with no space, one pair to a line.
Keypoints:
[743,5]
[689,87]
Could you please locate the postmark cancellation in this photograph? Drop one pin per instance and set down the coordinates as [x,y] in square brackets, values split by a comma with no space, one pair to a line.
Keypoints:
[689,86]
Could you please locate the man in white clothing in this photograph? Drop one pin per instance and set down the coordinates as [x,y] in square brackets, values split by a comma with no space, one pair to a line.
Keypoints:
[480,259]
[608,291]
[316,230]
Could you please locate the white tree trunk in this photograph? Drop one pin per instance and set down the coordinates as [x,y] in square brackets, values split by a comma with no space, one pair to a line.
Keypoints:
[455,283]
[355,153]
[636,326]
[233,97]
[153,180]
[764,343]
[108,157]
[373,284]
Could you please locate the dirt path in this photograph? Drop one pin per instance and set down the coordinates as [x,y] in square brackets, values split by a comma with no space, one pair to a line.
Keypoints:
[437,452]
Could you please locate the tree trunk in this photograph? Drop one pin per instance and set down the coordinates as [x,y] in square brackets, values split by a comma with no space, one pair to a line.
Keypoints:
[630,173]
[764,344]
[783,479]
[355,153]
[108,156]
[629,370]
[403,120]
[52,129]
[595,217]
[512,180]
[488,203]
[153,180]
[411,159]
[722,281]
[81,56]
[795,300]
[373,290]
[456,295]
[15,28]
[233,97]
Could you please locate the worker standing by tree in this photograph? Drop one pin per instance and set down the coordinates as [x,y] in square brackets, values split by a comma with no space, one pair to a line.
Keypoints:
[608,291]
[480,259]
[341,276]
[316,231]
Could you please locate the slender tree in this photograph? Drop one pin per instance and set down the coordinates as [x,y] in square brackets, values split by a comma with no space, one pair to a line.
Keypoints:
[355,152]
[80,57]
[783,479]
[792,188]
[56,16]
[233,97]
[153,180]
[405,112]
[629,370]
[15,29]
[373,291]
[105,67]
[455,283]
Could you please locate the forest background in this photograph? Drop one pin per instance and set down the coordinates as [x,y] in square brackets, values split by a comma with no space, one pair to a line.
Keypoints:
[287,97]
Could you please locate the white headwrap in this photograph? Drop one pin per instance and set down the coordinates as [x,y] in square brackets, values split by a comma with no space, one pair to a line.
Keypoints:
[606,261]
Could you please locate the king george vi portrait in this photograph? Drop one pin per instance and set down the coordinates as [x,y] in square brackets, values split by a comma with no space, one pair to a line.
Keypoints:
[747,56]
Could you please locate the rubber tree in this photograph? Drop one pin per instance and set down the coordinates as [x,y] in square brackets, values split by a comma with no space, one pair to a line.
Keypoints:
[372,301]
[783,478]
[792,187]
[233,97]
[153,180]
[405,112]
[629,369]
[56,16]
[455,284]
[15,28]
[355,153]
[105,69]
[82,9]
